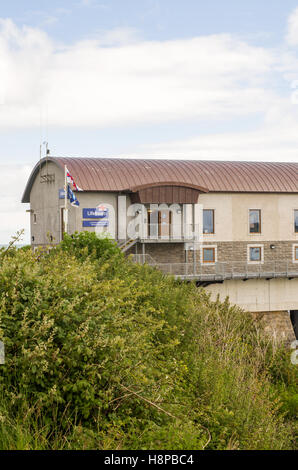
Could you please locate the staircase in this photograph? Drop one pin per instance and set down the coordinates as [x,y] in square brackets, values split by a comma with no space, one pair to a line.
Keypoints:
[127,244]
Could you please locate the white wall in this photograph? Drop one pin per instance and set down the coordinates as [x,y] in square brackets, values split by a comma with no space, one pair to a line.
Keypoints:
[232,220]
[259,295]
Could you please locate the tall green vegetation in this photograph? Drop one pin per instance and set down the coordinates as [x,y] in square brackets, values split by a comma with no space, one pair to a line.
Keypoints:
[102,353]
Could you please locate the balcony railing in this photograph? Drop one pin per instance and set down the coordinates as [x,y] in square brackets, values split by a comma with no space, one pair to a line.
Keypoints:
[169,232]
[223,270]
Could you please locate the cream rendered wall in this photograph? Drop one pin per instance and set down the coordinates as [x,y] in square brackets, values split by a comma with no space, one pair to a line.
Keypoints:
[231,212]
[232,219]
[122,217]
[232,225]
[258,295]
[45,203]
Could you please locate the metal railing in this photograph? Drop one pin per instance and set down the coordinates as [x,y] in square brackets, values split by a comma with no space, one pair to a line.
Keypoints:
[165,231]
[224,270]
[142,259]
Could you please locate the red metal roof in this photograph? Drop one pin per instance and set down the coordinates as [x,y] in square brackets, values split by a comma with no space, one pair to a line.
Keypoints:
[115,174]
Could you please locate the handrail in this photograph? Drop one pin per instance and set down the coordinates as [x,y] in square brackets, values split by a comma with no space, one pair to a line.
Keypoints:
[166,231]
[224,270]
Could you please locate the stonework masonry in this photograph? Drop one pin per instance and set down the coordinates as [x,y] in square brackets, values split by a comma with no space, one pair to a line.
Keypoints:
[162,252]
[277,324]
[226,251]
[237,251]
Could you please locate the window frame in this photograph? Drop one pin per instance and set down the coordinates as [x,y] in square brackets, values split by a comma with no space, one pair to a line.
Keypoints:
[213,222]
[295,211]
[208,247]
[259,261]
[260,221]
[295,253]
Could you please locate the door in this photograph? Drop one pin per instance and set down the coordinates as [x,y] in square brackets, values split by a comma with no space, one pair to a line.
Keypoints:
[164,223]
[159,224]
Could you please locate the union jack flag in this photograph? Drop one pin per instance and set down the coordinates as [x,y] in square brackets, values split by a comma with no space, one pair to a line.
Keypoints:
[73,200]
[72,181]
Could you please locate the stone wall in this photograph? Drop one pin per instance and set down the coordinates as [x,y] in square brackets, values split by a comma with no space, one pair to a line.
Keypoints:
[227,252]
[162,252]
[237,251]
[277,324]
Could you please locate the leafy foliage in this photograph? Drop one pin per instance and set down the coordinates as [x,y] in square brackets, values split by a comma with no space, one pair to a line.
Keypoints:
[103,353]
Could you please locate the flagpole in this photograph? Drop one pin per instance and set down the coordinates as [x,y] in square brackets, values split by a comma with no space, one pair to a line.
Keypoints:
[65,201]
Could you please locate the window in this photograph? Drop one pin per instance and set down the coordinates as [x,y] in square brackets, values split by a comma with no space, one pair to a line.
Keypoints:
[208,255]
[296,221]
[254,221]
[255,253]
[34,219]
[208,221]
[295,253]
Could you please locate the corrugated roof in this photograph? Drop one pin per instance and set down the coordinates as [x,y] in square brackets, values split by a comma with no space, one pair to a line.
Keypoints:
[115,174]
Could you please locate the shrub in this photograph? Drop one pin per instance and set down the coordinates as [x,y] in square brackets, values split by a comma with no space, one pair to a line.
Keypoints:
[116,355]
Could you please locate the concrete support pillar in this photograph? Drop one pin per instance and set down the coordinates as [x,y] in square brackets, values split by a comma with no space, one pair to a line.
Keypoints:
[121,218]
[176,221]
[198,222]
[153,230]
[143,222]
[187,221]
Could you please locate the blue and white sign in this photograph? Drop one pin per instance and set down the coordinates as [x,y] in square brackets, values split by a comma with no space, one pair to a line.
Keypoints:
[95,213]
[61,194]
[95,223]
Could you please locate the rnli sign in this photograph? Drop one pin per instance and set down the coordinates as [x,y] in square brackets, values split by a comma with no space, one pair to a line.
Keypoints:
[61,194]
[96,213]
[95,223]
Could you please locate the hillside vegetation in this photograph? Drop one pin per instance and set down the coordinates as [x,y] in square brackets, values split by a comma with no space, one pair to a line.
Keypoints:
[102,353]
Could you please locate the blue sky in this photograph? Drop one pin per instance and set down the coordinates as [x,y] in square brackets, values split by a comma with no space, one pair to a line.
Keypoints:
[156,19]
[150,78]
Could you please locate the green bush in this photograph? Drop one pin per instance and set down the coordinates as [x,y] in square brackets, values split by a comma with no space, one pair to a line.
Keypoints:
[103,353]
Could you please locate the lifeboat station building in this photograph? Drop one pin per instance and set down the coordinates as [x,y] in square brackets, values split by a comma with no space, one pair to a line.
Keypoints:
[232,227]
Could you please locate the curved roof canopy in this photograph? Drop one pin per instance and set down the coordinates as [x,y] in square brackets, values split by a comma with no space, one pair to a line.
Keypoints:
[115,174]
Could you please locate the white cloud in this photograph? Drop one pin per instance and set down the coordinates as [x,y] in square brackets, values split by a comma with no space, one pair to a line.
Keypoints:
[88,84]
[276,139]
[117,37]
[13,214]
[24,54]
[118,79]
[292,31]
[265,144]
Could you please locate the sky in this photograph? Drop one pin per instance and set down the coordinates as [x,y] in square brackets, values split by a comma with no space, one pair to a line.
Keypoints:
[153,78]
